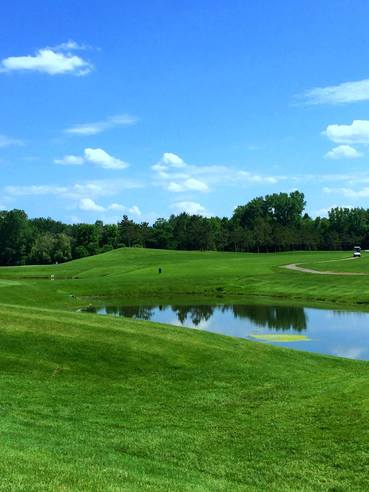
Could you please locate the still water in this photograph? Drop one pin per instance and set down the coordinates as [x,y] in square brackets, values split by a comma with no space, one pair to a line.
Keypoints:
[327,331]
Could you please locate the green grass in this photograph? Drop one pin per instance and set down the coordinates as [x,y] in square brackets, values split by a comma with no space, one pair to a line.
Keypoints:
[357,265]
[133,274]
[95,403]
[92,403]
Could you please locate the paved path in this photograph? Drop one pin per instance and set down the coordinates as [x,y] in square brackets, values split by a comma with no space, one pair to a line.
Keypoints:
[297,268]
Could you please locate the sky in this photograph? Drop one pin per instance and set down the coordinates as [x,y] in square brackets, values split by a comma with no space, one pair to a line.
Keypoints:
[155,107]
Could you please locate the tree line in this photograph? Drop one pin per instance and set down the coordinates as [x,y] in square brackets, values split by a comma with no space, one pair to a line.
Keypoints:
[271,223]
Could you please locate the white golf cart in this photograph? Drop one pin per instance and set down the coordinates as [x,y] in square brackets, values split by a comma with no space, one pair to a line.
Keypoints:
[357,252]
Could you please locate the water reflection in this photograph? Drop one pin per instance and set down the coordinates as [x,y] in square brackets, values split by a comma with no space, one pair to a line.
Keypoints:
[197,314]
[335,332]
[139,312]
[271,317]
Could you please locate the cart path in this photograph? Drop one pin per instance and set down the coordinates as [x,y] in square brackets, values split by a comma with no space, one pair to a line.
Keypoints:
[297,268]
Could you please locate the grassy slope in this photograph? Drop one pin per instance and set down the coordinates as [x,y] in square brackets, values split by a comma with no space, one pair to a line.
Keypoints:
[358,265]
[97,403]
[133,273]
[91,403]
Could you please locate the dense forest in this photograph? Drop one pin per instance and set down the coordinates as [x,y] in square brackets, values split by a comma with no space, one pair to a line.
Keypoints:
[275,222]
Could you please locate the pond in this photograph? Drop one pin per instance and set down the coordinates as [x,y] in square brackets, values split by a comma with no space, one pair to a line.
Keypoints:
[327,331]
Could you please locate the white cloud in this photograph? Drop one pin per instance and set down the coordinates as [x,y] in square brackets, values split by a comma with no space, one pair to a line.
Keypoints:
[98,157]
[175,187]
[135,210]
[97,188]
[100,126]
[53,61]
[172,160]
[354,178]
[35,190]
[187,179]
[190,184]
[195,185]
[82,196]
[343,152]
[346,92]
[348,192]
[8,141]
[70,160]
[168,177]
[102,159]
[89,205]
[122,208]
[70,45]
[246,176]
[192,208]
[356,133]
[118,207]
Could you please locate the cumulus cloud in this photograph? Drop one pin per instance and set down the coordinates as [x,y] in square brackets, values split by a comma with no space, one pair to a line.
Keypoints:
[175,175]
[98,157]
[83,196]
[356,133]
[347,92]
[102,159]
[100,126]
[172,160]
[343,152]
[195,185]
[53,61]
[168,162]
[89,205]
[192,208]
[190,184]
[8,141]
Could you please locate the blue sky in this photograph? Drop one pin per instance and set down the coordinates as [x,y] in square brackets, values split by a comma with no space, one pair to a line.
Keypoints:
[150,108]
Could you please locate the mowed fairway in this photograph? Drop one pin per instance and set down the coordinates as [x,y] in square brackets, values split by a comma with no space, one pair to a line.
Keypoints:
[92,403]
[352,265]
[133,273]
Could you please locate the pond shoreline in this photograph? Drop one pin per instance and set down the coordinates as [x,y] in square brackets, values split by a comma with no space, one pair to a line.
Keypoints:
[336,332]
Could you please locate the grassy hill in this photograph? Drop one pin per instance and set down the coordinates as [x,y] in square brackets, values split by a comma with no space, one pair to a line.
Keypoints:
[133,273]
[91,403]
[97,403]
